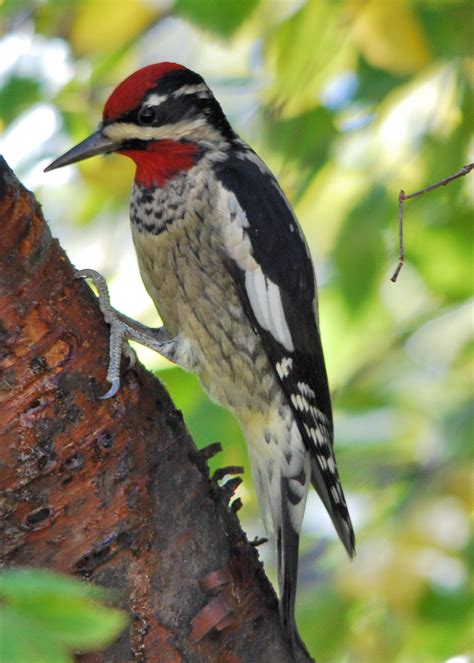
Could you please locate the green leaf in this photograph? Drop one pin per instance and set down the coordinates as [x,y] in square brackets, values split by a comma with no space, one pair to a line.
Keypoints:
[331,612]
[77,623]
[222,18]
[302,62]
[17,95]
[360,252]
[23,641]
[306,138]
[207,421]
[374,84]
[438,605]
[63,608]
[23,585]
[455,37]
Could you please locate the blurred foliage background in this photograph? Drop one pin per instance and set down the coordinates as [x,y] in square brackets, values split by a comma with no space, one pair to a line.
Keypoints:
[45,617]
[348,101]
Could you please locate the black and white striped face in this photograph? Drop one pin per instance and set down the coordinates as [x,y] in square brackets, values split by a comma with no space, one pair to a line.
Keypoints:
[177,105]
[164,117]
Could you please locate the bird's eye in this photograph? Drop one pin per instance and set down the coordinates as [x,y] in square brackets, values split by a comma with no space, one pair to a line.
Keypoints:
[146,115]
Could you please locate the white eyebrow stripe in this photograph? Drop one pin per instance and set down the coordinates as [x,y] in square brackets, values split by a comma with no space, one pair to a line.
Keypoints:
[200,89]
[126,130]
[156,99]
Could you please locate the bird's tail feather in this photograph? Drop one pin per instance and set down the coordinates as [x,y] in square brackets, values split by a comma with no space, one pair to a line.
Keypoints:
[287,550]
[281,471]
[337,510]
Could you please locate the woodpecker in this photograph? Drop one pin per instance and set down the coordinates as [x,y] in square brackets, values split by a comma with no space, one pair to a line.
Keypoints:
[226,264]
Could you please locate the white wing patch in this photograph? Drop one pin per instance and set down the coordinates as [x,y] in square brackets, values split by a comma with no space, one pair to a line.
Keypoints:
[265,300]
[263,294]
[236,240]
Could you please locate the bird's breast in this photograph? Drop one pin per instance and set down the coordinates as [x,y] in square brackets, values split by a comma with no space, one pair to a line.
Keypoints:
[183,265]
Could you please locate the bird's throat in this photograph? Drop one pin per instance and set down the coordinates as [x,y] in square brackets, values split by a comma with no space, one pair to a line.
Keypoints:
[162,160]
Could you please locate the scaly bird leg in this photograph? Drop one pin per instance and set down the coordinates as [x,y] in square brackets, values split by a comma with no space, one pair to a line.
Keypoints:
[123,329]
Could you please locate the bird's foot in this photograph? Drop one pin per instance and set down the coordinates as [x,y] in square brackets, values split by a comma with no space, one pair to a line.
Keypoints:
[123,329]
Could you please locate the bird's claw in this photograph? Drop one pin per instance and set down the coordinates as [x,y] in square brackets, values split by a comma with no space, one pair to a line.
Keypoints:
[115,386]
[110,315]
[114,378]
[129,354]
[118,331]
[122,329]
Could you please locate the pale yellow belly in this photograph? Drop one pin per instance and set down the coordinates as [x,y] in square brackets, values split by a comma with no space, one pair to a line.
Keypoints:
[183,271]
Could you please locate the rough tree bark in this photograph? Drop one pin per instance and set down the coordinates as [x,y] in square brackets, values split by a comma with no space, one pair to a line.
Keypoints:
[114,491]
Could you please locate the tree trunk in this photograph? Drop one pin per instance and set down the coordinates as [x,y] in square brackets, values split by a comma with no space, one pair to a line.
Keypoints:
[114,490]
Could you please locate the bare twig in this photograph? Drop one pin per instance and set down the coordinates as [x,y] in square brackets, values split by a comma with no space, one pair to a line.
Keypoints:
[401,199]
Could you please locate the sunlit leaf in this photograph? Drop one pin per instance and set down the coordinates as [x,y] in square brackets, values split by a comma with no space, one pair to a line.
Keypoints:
[98,26]
[454,40]
[209,14]
[389,34]
[359,255]
[301,63]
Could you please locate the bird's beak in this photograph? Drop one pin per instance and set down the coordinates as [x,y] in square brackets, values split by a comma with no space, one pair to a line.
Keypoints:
[97,143]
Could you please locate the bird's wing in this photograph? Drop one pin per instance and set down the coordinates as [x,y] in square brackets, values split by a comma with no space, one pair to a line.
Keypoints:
[274,273]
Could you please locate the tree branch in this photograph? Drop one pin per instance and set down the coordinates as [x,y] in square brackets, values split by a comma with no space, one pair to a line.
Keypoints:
[401,199]
[114,490]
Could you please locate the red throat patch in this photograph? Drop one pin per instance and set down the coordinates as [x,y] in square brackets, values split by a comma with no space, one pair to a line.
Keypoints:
[131,91]
[161,161]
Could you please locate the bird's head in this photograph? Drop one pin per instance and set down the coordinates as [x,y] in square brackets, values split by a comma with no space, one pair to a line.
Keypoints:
[164,117]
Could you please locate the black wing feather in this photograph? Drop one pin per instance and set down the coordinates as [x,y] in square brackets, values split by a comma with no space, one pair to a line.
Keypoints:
[280,250]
